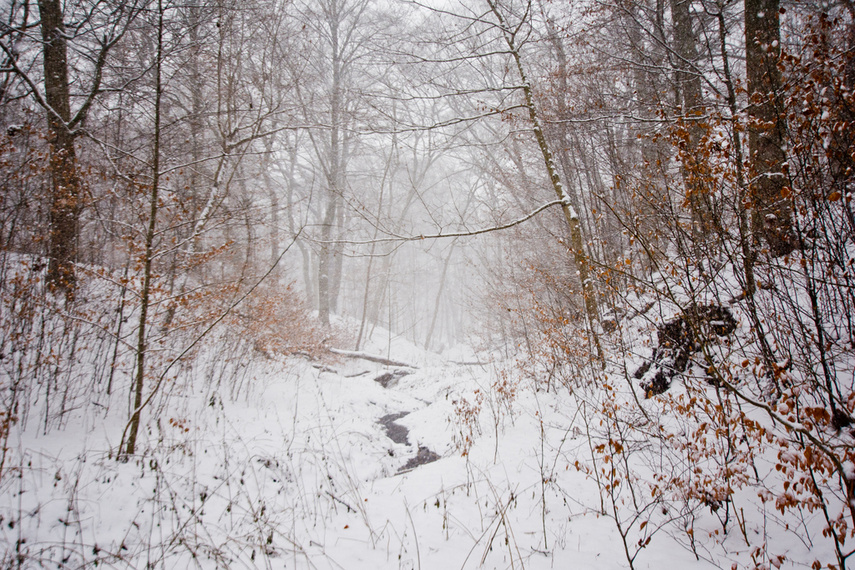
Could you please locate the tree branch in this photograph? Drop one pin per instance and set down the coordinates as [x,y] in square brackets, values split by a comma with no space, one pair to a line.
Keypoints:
[399,238]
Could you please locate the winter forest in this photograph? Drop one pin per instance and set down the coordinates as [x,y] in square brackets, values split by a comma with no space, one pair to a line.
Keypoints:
[419,284]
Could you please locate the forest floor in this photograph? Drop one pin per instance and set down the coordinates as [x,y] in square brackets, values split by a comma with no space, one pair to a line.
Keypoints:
[299,471]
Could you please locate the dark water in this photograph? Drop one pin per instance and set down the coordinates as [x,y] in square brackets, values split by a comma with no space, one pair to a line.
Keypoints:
[395,432]
[398,433]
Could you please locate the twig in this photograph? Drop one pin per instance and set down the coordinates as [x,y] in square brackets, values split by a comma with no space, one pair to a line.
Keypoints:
[415,536]
[337,500]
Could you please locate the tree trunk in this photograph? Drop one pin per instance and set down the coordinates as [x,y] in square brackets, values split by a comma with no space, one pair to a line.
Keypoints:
[577,243]
[273,196]
[149,248]
[326,267]
[337,260]
[771,205]
[325,263]
[436,304]
[690,99]
[745,242]
[65,181]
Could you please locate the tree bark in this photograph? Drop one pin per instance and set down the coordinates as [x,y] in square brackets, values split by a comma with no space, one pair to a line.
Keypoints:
[771,205]
[65,180]
[690,99]
[325,261]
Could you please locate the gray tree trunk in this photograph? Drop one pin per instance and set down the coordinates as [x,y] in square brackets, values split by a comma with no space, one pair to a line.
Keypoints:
[690,99]
[65,181]
[771,207]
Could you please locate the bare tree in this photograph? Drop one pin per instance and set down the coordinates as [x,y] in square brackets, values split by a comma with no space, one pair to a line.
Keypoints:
[513,34]
[97,29]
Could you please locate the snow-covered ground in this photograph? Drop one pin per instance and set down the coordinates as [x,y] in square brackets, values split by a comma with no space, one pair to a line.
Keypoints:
[298,472]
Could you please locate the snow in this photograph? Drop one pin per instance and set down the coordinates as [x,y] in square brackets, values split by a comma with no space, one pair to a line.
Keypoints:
[290,467]
[299,472]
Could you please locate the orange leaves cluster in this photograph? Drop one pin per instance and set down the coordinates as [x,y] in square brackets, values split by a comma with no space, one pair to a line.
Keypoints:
[277,323]
[466,419]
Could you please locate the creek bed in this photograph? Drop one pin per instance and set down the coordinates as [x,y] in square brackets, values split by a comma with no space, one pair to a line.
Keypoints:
[399,434]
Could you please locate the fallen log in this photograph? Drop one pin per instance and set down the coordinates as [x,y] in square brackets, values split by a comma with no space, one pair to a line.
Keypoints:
[370,357]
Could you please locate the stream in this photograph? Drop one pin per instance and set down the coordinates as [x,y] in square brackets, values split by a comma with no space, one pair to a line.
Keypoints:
[398,433]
